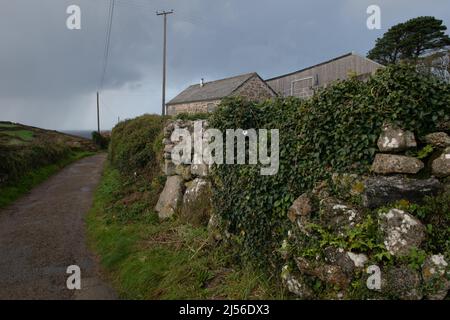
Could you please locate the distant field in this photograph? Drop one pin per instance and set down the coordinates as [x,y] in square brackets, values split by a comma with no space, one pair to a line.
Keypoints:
[18,136]
[22,134]
[12,134]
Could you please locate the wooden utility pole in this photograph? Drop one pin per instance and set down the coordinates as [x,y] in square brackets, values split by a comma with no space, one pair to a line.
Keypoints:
[98,112]
[164,13]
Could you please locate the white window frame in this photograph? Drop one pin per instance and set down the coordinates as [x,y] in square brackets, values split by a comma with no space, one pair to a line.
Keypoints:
[298,80]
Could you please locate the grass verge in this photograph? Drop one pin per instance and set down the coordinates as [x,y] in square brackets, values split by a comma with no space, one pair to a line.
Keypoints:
[12,191]
[148,259]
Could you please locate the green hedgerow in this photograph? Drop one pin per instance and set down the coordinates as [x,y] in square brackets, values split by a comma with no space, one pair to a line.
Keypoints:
[132,146]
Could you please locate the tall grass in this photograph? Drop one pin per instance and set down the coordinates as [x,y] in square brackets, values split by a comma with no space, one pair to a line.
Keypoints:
[148,259]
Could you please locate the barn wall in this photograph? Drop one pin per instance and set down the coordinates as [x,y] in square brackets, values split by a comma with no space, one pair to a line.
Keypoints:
[326,73]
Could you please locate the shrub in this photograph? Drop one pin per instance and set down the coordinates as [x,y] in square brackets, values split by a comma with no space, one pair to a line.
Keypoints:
[334,131]
[132,144]
[100,140]
[135,151]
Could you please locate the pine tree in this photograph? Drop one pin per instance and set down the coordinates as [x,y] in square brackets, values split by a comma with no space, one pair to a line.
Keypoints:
[410,40]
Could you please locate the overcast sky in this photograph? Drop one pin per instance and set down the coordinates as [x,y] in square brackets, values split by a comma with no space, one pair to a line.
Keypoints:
[49,75]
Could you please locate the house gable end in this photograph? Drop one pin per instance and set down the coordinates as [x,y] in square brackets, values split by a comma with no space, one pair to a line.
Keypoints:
[254,88]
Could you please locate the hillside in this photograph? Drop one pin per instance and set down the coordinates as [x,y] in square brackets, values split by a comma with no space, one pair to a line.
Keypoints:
[29,155]
[19,135]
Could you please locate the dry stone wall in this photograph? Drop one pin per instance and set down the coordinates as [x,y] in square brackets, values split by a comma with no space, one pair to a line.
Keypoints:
[193,107]
[397,175]
[187,191]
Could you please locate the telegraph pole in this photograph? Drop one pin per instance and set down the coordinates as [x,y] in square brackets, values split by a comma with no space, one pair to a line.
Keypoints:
[98,112]
[164,13]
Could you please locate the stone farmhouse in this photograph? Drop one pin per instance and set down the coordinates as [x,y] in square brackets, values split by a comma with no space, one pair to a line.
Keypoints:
[304,82]
[205,97]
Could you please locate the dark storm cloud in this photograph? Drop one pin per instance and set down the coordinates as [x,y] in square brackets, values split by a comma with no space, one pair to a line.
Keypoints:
[49,74]
[43,58]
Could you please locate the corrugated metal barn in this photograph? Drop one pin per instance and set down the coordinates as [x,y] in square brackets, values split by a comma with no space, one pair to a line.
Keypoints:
[302,83]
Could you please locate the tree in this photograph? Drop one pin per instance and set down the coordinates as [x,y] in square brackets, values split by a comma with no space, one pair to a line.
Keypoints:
[410,40]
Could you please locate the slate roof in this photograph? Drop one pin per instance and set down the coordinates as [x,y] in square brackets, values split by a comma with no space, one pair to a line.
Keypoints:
[212,90]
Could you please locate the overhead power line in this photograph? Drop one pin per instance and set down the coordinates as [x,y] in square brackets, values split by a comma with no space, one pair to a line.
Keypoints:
[107,41]
[105,57]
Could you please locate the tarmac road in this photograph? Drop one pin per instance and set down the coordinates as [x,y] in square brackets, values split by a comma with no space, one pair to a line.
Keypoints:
[43,233]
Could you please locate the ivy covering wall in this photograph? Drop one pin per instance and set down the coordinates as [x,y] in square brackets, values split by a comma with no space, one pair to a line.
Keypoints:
[335,131]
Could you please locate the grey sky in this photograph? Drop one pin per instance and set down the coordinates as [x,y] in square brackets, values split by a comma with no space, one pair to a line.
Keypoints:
[49,74]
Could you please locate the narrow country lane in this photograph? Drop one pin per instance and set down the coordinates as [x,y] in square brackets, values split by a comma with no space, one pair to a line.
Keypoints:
[44,232]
